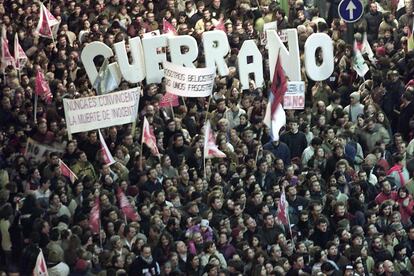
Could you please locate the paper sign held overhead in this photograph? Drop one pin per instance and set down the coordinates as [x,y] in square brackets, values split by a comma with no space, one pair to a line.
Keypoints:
[188,82]
[295,95]
[107,110]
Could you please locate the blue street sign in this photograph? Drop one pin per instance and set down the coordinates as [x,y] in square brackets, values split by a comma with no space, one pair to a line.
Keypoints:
[350,10]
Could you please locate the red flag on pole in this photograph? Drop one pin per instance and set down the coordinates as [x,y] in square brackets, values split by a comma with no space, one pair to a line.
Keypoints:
[126,206]
[94,217]
[148,138]
[107,155]
[210,148]
[168,28]
[46,22]
[6,58]
[66,171]
[169,99]
[20,56]
[42,88]
[279,85]
[275,117]
[282,214]
[40,268]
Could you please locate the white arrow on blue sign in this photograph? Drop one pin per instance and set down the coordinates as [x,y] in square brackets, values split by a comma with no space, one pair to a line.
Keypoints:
[350,10]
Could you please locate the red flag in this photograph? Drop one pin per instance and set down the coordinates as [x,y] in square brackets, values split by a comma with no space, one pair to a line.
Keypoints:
[279,85]
[42,88]
[40,268]
[108,158]
[46,22]
[6,58]
[169,99]
[20,56]
[220,26]
[210,148]
[282,214]
[168,28]
[275,117]
[94,217]
[148,138]
[126,206]
[66,171]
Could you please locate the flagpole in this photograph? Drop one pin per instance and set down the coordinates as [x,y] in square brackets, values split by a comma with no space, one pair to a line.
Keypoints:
[204,165]
[172,110]
[4,75]
[18,75]
[35,108]
[100,236]
[142,148]
[258,146]
[184,101]
[134,123]
[288,219]
[205,137]
[208,107]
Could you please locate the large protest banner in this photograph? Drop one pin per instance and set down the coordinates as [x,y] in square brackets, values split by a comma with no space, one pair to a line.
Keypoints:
[295,95]
[39,152]
[96,112]
[188,82]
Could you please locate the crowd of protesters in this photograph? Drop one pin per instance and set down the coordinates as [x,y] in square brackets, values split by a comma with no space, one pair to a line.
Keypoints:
[345,162]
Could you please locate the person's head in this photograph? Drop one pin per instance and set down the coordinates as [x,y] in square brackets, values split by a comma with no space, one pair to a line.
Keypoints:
[263,166]
[178,140]
[251,224]
[268,220]
[354,98]
[216,202]
[377,243]
[370,123]
[209,247]
[291,191]
[315,209]
[388,267]
[332,249]
[294,125]
[385,186]
[373,7]
[340,209]
[322,224]
[297,261]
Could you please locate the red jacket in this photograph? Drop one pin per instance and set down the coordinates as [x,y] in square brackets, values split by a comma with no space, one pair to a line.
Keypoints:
[405,211]
[381,197]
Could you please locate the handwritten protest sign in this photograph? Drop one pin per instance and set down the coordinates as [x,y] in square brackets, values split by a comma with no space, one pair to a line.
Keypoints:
[107,110]
[39,152]
[188,82]
[295,95]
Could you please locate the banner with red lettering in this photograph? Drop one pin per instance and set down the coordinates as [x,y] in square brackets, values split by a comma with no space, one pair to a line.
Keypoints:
[295,95]
[102,111]
[188,82]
